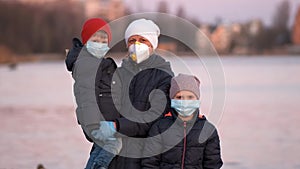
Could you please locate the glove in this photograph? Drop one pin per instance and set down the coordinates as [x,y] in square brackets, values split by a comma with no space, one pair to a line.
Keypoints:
[73,53]
[105,132]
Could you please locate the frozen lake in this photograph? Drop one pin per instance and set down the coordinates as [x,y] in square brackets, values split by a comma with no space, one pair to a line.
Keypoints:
[258,127]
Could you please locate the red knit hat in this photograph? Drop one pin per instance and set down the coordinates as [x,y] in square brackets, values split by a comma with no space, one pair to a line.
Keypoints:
[93,25]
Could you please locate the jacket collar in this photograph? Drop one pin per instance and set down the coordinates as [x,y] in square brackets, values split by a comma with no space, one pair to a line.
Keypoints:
[174,115]
[154,61]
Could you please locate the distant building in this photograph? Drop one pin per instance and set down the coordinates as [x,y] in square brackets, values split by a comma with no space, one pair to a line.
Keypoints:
[205,29]
[255,27]
[107,9]
[222,38]
[296,29]
[240,40]
[236,28]
[233,38]
[203,39]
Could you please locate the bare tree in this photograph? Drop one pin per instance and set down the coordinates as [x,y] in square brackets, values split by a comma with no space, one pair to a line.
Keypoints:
[280,23]
[163,7]
[180,12]
[281,17]
[39,28]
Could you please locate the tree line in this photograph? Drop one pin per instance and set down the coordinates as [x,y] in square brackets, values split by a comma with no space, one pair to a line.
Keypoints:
[47,28]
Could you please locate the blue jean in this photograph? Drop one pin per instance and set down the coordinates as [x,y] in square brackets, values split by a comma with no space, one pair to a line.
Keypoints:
[99,158]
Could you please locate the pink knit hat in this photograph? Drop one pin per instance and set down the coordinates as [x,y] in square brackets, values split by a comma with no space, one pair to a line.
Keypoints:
[185,82]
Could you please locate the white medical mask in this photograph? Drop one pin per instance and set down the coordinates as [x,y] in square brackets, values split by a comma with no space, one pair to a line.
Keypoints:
[139,52]
[185,108]
[97,49]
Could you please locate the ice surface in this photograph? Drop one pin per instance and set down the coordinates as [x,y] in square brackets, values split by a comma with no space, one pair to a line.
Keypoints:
[258,128]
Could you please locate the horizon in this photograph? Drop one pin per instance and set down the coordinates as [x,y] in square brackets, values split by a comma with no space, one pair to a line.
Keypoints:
[227,11]
[213,11]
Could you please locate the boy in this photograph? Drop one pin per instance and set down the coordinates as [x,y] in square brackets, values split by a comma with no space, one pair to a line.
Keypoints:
[92,74]
[183,138]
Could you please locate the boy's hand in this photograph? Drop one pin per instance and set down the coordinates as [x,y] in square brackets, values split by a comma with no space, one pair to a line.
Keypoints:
[106,131]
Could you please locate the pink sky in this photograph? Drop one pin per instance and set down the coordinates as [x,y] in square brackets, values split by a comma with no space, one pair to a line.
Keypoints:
[229,10]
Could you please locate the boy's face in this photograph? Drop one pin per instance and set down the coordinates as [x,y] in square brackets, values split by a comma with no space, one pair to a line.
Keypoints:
[185,95]
[100,37]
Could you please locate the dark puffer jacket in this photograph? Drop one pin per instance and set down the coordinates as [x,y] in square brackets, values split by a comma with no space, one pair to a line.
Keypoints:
[72,55]
[182,145]
[134,94]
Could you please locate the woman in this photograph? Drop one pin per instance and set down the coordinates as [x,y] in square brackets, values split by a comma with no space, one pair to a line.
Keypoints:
[140,89]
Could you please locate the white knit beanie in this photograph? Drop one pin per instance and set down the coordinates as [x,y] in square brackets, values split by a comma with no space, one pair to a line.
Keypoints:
[146,28]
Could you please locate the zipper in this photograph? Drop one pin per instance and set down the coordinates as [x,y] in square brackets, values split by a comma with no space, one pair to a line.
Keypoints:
[184,145]
[105,95]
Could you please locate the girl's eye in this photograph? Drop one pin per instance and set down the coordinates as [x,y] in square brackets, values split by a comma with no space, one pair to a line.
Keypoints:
[178,97]
[191,97]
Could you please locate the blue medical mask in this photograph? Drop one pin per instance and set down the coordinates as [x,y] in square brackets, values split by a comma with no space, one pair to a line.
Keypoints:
[185,108]
[97,49]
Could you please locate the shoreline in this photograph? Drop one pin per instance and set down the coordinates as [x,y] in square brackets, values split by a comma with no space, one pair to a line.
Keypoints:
[15,59]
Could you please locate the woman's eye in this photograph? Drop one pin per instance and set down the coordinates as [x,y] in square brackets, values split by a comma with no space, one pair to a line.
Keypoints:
[132,41]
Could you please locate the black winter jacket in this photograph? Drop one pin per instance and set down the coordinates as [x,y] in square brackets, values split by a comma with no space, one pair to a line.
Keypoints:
[175,144]
[73,54]
[135,97]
